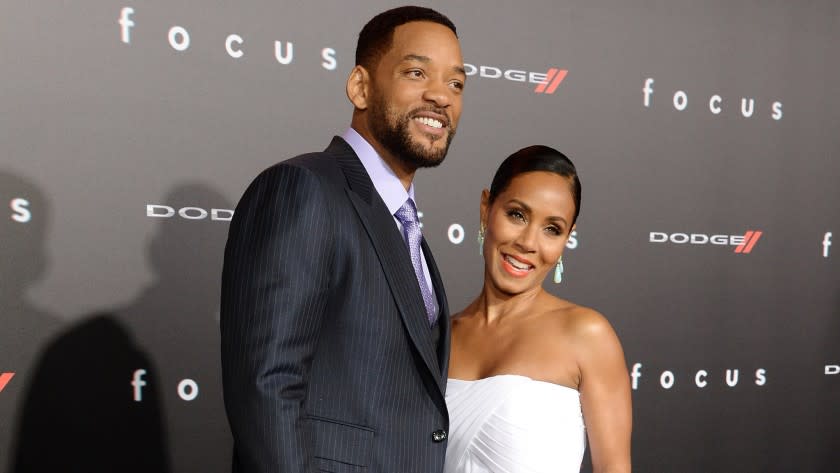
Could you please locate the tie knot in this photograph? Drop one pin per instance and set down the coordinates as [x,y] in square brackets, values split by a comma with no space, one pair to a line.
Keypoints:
[407,214]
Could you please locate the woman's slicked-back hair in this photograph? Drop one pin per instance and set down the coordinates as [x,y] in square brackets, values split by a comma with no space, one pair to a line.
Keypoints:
[376,36]
[536,158]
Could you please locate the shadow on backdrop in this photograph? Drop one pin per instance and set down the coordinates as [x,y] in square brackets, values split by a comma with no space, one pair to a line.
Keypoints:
[24,222]
[175,318]
[77,412]
[80,411]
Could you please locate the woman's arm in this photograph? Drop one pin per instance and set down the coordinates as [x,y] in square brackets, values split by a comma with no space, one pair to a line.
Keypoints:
[604,393]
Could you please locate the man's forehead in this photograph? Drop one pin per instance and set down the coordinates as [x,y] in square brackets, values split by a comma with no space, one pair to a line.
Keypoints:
[424,41]
[420,32]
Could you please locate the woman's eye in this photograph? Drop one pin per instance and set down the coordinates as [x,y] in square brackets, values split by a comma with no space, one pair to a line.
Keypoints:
[516,215]
[554,231]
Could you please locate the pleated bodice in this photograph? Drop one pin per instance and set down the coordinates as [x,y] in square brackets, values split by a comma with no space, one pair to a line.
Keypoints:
[513,424]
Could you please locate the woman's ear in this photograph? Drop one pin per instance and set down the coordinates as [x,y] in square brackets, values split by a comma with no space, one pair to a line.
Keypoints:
[484,210]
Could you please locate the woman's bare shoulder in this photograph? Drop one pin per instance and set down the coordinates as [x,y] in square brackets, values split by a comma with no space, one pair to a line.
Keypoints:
[580,322]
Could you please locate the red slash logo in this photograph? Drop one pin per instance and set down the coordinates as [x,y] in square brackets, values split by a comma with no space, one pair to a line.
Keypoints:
[750,239]
[553,78]
[4,380]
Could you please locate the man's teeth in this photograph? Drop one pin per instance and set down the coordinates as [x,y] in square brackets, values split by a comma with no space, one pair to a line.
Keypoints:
[430,122]
[516,264]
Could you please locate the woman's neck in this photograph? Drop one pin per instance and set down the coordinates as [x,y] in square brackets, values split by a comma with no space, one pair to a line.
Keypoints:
[495,306]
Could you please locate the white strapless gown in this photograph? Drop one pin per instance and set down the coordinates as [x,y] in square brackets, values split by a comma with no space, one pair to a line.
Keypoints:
[513,424]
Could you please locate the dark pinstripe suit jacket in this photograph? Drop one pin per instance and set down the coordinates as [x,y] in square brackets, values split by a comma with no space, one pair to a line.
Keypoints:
[328,361]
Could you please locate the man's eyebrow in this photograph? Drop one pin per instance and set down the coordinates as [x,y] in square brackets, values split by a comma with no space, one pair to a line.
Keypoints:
[427,59]
[417,57]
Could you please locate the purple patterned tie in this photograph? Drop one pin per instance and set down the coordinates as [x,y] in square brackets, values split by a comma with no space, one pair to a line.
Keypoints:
[407,215]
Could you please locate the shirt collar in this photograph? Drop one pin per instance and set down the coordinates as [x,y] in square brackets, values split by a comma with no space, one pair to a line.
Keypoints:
[387,184]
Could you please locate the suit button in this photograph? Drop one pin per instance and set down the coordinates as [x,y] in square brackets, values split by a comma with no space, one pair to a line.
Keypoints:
[438,436]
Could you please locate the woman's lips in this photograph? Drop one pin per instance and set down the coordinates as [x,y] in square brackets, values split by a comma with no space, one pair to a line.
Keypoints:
[515,266]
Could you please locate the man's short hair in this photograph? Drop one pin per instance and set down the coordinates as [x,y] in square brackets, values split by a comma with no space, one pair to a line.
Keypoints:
[376,36]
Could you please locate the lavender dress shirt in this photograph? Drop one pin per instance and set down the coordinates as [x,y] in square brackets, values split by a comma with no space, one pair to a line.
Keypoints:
[387,184]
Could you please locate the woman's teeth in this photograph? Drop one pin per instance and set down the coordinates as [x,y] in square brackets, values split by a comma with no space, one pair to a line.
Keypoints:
[516,264]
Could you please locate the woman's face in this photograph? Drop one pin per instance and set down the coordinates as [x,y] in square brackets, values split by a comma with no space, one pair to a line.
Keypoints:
[527,227]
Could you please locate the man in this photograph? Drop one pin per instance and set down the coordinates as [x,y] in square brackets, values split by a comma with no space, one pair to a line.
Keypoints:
[335,333]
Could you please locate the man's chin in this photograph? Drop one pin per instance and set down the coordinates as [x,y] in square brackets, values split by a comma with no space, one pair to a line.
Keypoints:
[429,162]
[429,155]
[415,148]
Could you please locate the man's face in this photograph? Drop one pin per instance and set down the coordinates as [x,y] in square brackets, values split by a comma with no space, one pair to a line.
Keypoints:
[416,88]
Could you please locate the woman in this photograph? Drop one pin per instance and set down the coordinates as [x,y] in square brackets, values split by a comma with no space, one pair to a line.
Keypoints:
[531,374]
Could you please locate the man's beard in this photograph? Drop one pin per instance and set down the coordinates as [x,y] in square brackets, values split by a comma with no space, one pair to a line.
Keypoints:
[391,130]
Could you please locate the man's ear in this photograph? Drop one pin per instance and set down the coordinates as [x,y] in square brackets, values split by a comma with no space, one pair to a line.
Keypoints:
[358,87]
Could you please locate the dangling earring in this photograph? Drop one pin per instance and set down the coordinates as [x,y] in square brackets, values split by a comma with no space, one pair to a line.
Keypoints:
[481,241]
[558,271]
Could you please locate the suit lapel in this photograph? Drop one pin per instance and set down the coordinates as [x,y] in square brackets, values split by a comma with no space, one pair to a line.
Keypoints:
[392,252]
[443,316]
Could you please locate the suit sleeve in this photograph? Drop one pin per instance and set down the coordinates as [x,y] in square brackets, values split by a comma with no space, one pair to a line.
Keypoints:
[274,292]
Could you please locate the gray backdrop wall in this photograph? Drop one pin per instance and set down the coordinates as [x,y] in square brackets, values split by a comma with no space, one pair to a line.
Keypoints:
[707,136]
